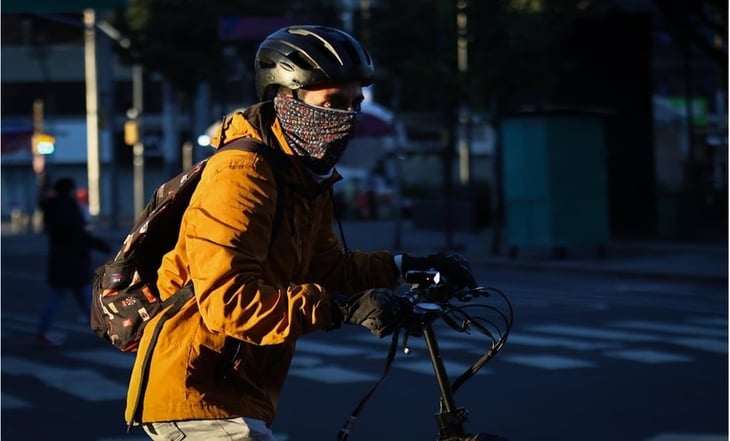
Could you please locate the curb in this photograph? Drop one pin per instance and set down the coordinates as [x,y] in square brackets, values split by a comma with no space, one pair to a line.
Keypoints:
[573,267]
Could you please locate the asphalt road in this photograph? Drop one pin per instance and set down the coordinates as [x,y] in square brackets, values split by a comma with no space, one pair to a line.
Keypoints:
[590,357]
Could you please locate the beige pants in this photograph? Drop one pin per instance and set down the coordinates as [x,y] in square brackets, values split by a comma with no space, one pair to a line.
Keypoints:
[234,429]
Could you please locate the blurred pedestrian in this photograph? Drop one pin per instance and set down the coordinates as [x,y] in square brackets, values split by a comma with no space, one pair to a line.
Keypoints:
[69,254]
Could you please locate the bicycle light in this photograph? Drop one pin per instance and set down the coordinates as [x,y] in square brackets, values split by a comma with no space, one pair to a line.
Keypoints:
[423,277]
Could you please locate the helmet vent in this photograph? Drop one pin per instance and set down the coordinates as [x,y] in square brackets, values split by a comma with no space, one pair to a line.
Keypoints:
[301,61]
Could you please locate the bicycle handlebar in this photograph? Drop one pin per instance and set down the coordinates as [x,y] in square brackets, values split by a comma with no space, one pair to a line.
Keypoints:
[431,296]
[435,287]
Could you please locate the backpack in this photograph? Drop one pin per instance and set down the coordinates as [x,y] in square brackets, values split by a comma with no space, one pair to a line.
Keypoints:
[124,289]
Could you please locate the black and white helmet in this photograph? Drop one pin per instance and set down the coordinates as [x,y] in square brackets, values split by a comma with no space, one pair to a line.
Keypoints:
[300,56]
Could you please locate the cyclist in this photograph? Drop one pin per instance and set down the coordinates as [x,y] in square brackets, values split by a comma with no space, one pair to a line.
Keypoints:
[219,364]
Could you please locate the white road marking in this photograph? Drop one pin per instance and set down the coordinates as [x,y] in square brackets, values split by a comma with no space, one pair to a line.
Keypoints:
[705,344]
[328,349]
[425,367]
[687,437]
[86,384]
[597,333]
[672,328]
[548,361]
[709,321]
[28,323]
[578,345]
[303,361]
[648,356]
[104,357]
[332,375]
[8,401]
[23,275]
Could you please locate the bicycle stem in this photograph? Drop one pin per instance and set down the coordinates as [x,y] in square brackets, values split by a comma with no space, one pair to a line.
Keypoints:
[447,397]
[449,418]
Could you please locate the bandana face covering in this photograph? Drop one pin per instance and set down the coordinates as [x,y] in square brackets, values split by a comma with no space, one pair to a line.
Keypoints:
[317,135]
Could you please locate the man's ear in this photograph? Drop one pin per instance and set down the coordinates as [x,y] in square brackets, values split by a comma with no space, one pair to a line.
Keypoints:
[284,91]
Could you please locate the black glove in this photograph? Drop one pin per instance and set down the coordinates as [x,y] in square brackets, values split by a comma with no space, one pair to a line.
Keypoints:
[453,266]
[379,310]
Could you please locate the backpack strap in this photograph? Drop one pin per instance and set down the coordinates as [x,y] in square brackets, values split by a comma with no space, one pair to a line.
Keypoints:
[177,300]
[278,161]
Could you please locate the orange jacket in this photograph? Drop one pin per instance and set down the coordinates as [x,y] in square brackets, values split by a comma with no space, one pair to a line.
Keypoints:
[266,295]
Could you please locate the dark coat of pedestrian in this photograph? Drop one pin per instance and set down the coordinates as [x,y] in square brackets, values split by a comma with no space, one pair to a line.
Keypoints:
[68,267]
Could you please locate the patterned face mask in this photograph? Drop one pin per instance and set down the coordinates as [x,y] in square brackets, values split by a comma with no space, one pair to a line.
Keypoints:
[317,135]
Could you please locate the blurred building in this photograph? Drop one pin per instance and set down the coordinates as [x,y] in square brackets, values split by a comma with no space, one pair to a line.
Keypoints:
[667,153]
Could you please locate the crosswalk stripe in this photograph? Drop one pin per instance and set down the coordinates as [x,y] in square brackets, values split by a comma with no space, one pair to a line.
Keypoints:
[104,357]
[332,374]
[29,323]
[86,384]
[425,367]
[648,356]
[303,361]
[548,361]
[599,333]
[540,341]
[8,401]
[709,321]
[671,328]
[328,349]
[705,344]
[688,437]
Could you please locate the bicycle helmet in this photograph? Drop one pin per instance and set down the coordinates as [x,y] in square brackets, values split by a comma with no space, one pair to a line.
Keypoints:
[300,56]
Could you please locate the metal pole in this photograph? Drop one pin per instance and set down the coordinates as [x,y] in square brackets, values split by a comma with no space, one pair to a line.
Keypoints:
[464,117]
[138,147]
[92,112]
[187,155]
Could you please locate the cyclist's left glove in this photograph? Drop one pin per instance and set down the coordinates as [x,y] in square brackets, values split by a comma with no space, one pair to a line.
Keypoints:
[454,267]
[379,310]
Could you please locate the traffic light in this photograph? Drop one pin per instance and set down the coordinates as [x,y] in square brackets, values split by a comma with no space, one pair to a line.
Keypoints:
[131,132]
[43,144]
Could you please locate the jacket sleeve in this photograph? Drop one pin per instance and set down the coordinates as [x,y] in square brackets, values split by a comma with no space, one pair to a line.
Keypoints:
[344,273]
[226,232]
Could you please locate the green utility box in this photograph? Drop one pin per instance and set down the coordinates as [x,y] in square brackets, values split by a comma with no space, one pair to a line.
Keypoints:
[555,190]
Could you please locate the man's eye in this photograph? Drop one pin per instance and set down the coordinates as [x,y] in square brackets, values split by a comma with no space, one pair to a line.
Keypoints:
[342,105]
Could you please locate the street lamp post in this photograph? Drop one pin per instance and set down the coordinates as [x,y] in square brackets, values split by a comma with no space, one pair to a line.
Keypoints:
[92,112]
[133,128]
[138,146]
[463,114]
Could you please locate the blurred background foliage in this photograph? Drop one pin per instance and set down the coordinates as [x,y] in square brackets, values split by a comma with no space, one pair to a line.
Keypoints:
[516,48]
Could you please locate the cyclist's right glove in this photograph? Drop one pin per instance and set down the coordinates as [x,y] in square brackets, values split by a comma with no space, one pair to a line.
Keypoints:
[379,310]
[454,267]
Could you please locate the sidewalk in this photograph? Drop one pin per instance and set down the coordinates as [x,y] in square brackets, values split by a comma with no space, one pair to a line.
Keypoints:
[666,259]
